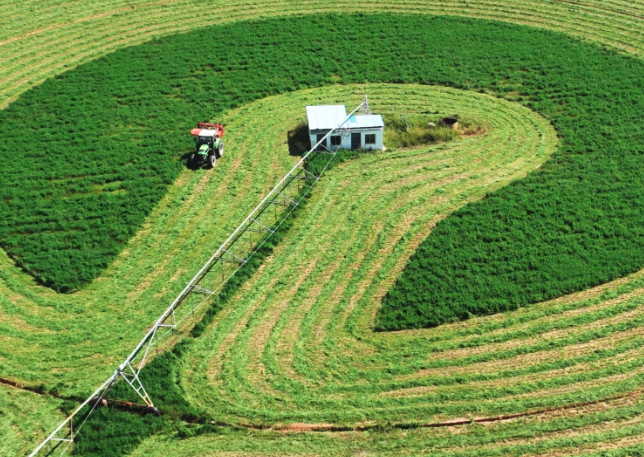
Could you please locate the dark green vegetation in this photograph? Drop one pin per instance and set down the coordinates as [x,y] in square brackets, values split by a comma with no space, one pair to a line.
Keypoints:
[83,171]
[113,431]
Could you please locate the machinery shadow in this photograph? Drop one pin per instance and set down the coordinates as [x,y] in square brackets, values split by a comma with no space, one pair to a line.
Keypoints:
[298,140]
[184,161]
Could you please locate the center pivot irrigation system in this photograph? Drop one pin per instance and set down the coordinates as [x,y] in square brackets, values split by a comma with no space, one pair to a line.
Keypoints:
[234,253]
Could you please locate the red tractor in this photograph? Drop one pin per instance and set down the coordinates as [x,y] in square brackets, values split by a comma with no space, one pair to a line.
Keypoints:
[208,144]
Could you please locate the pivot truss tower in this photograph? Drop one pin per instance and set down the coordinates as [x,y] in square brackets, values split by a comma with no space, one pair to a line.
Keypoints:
[245,241]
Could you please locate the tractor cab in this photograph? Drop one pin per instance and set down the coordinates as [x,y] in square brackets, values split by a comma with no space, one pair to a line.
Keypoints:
[206,137]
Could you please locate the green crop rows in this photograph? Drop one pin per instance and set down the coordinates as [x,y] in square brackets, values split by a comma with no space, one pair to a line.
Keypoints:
[295,345]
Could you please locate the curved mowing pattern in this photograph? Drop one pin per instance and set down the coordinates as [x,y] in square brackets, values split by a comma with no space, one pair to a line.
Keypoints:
[72,330]
[611,429]
[583,431]
[109,316]
[300,330]
[39,39]
[74,341]
[582,207]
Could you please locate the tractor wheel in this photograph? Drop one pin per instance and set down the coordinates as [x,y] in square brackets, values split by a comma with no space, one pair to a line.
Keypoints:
[220,150]
[191,160]
[212,160]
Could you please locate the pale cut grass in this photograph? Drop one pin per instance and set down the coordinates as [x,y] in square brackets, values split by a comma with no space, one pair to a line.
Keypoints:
[25,418]
[558,433]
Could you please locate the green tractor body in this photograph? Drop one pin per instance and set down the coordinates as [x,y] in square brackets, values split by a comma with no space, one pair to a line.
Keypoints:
[203,151]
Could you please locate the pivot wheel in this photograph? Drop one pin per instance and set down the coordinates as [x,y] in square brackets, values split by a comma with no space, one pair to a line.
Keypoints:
[212,160]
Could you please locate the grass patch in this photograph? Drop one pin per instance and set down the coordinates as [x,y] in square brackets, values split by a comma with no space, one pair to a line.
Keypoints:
[406,131]
[25,418]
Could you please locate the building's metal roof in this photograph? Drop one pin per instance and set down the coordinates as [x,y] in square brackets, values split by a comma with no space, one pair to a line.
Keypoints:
[325,117]
[364,121]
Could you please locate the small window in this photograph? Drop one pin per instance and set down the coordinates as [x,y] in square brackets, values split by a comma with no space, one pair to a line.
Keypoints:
[336,140]
[370,138]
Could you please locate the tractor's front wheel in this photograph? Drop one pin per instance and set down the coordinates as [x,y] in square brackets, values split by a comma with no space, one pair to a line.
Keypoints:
[212,160]
[191,160]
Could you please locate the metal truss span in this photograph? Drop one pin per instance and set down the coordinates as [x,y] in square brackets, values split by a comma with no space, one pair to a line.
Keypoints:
[245,241]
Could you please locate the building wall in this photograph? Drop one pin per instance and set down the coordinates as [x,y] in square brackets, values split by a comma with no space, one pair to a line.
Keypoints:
[346,144]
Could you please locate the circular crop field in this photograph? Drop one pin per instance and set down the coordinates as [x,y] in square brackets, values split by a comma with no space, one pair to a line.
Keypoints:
[541,208]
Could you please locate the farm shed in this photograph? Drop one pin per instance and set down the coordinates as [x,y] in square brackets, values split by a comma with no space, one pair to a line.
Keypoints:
[361,131]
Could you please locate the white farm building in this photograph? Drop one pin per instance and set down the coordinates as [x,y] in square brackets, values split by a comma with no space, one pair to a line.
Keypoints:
[361,131]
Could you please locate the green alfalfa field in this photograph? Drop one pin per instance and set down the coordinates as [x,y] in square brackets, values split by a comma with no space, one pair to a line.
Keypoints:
[290,362]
